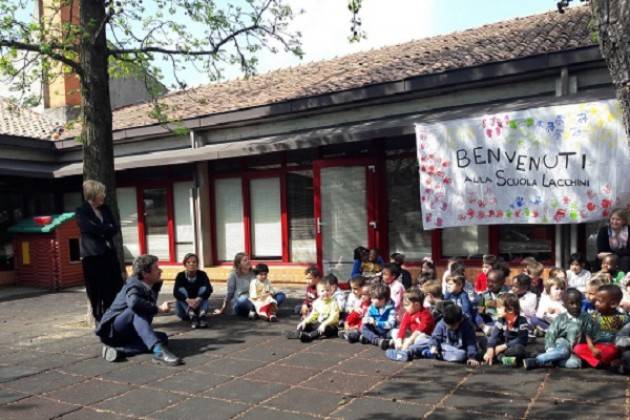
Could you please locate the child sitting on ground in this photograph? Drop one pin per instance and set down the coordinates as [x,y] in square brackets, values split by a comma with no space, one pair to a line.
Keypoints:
[261,294]
[396,289]
[592,286]
[417,322]
[535,271]
[453,338]
[488,300]
[565,331]
[577,274]
[481,282]
[599,349]
[625,302]
[550,305]
[192,290]
[312,276]
[453,261]
[622,342]
[558,273]
[339,295]
[427,271]
[459,269]
[526,300]
[356,312]
[455,293]
[323,320]
[405,276]
[510,333]
[609,265]
[367,263]
[380,317]
[433,298]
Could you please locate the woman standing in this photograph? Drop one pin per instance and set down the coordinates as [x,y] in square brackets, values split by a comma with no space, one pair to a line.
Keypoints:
[101,270]
[613,239]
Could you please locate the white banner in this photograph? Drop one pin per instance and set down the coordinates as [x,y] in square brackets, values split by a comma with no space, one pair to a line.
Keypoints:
[557,164]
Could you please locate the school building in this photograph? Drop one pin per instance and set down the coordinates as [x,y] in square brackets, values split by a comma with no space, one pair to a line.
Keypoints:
[302,165]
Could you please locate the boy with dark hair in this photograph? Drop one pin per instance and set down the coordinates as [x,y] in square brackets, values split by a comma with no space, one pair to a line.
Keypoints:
[599,348]
[481,282]
[565,331]
[609,265]
[312,276]
[380,318]
[418,322]
[456,293]
[405,277]
[453,338]
[510,332]
[488,300]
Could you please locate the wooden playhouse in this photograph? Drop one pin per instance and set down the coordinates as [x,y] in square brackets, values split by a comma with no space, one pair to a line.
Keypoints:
[47,252]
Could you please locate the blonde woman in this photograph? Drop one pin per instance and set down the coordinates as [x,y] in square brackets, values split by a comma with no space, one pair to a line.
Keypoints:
[101,269]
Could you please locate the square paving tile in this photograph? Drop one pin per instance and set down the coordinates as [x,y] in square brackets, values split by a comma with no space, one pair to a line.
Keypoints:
[201,408]
[89,392]
[421,392]
[140,402]
[307,401]
[43,382]
[92,367]
[190,382]
[290,376]
[483,402]
[11,373]
[264,413]
[344,383]
[318,361]
[140,373]
[360,366]
[587,392]
[34,408]
[546,409]
[8,395]
[505,381]
[246,391]
[447,413]
[86,413]
[264,353]
[336,346]
[231,366]
[368,408]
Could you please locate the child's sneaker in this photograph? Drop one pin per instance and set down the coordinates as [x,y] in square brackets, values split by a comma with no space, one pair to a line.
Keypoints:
[426,353]
[111,354]
[487,329]
[530,363]
[251,315]
[273,318]
[383,343]
[353,336]
[293,334]
[305,337]
[363,340]
[508,361]
[398,355]
[264,317]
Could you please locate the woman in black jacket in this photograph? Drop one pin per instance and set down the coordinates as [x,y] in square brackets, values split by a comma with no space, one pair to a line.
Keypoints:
[101,269]
[192,290]
[613,239]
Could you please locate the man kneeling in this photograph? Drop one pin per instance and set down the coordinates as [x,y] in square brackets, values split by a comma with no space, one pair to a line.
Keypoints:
[125,328]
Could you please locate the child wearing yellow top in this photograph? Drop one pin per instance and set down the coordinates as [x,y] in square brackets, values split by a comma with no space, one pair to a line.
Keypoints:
[323,319]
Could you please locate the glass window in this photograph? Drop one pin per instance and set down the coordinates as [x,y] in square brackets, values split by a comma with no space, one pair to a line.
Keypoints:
[230,235]
[465,242]
[11,211]
[591,231]
[184,229]
[265,217]
[156,222]
[128,208]
[75,254]
[406,233]
[519,241]
[301,216]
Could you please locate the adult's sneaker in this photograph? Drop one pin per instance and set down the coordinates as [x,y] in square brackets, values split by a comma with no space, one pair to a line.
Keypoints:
[111,354]
[398,355]
[203,321]
[194,322]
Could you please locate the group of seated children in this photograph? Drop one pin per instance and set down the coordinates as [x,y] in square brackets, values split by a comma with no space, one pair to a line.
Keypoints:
[583,317]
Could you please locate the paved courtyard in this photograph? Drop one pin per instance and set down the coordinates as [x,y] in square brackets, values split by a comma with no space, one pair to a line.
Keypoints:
[51,368]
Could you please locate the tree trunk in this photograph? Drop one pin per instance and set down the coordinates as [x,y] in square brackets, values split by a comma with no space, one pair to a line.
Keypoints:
[612,20]
[96,130]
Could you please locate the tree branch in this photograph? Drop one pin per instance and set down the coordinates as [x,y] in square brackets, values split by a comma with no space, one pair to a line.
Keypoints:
[38,49]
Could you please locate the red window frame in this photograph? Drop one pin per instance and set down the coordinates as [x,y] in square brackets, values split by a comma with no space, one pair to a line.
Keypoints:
[246,177]
[170,213]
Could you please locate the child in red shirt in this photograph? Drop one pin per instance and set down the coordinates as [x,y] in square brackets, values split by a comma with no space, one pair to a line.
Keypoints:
[312,276]
[481,282]
[417,321]
[354,320]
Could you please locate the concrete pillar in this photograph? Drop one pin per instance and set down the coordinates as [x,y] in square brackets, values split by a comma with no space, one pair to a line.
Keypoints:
[203,224]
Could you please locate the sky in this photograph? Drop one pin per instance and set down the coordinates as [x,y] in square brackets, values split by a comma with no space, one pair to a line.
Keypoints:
[325,25]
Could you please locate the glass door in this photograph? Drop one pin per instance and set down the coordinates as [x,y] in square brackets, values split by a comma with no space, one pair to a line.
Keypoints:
[344,216]
[156,223]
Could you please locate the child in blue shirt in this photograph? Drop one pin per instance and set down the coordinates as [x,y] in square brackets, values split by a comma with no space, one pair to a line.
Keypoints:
[455,292]
[380,318]
[453,339]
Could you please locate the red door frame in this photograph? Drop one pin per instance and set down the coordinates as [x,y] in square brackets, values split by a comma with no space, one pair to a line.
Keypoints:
[372,201]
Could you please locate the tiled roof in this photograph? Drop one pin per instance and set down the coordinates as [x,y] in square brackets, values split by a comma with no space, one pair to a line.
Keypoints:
[517,38]
[21,122]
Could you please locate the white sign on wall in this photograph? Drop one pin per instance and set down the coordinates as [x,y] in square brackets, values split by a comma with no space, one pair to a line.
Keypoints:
[557,164]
